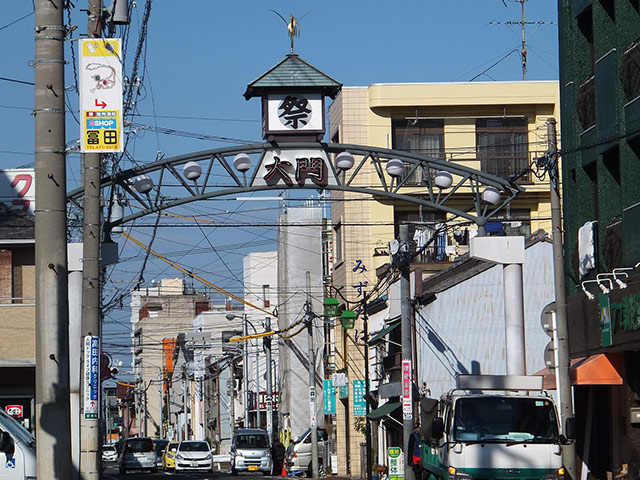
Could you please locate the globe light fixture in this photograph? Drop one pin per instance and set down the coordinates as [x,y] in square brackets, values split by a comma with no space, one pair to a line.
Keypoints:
[395,167]
[242,162]
[491,195]
[192,171]
[348,319]
[143,184]
[443,180]
[344,161]
[331,307]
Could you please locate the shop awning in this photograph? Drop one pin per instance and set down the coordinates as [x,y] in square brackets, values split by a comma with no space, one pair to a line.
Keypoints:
[599,369]
[378,337]
[386,409]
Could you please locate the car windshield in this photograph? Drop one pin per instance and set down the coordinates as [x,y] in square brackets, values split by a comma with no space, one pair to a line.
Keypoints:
[108,448]
[15,429]
[500,420]
[194,447]
[301,437]
[251,440]
[172,447]
[159,445]
[138,445]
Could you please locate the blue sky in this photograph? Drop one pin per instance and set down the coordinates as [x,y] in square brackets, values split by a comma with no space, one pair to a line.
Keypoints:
[200,55]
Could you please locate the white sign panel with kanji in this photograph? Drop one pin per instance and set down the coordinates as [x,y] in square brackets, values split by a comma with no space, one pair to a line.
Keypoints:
[407,404]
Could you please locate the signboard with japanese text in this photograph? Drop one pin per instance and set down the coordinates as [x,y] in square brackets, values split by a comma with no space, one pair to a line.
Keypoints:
[359,402]
[396,463]
[339,379]
[15,411]
[329,397]
[295,168]
[100,82]
[605,320]
[91,376]
[407,403]
[18,189]
[294,112]
[312,407]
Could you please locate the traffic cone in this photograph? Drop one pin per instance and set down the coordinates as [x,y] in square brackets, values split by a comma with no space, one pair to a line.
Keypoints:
[284,471]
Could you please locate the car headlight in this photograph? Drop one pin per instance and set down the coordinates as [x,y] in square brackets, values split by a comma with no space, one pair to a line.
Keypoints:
[455,474]
[556,475]
[179,457]
[208,457]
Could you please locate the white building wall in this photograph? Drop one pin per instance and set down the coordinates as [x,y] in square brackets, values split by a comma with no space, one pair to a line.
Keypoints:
[463,330]
[299,251]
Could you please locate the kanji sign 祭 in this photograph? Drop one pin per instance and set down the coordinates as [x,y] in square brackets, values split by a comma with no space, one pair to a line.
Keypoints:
[100,81]
[294,111]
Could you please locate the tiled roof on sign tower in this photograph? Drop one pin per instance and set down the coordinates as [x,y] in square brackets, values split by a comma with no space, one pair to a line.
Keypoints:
[292,72]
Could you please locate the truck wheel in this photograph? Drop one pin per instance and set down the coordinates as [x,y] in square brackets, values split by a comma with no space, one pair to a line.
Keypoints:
[234,472]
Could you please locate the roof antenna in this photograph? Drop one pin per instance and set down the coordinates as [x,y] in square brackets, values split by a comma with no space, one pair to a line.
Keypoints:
[293,25]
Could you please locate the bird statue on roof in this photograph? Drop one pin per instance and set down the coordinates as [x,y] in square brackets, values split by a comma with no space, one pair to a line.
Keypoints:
[293,25]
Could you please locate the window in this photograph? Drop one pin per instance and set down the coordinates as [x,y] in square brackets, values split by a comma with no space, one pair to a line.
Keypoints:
[424,137]
[502,146]
[337,245]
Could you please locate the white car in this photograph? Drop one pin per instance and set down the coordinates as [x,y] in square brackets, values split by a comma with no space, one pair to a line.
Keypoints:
[194,455]
[109,453]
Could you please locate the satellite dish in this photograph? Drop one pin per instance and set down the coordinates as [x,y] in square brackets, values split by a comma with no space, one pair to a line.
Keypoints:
[394,246]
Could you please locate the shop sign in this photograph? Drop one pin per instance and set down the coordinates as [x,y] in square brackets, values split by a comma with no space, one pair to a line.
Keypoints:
[396,463]
[295,168]
[407,401]
[605,320]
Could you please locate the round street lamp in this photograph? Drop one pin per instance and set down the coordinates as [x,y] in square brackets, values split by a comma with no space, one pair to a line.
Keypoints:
[443,180]
[143,184]
[192,171]
[395,167]
[491,195]
[344,161]
[242,162]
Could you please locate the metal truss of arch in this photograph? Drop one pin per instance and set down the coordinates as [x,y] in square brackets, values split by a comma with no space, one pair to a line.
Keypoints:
[464,198]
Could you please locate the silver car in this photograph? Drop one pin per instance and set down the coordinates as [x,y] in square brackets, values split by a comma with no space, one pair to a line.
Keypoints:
[137,454]
[250,451]
[194,455]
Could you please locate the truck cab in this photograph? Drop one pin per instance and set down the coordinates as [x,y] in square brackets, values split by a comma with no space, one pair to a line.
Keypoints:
[494,427]
[17,450]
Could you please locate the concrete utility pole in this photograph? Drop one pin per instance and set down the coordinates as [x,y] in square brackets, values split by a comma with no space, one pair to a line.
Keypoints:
[266,342]
[366,386]
[53,425]
[257,384]
[245,371]
[90,458]
[562,328]
[312,383]
[405,335]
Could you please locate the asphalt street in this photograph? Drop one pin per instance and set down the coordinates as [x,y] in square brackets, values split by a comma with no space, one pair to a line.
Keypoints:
[111,473]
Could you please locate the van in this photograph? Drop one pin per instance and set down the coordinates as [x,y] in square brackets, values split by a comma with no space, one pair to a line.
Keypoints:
[298,456]
[251,451]
[17,450]
[137,453]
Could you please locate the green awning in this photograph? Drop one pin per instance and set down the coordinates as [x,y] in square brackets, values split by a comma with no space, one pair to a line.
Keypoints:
[386,409]
[383,333]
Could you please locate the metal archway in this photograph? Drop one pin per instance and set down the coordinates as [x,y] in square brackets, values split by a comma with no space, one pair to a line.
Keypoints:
[219,178]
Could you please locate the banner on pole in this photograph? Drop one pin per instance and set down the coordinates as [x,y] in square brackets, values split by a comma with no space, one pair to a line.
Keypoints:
[329,397]
[91,376]
[100,84]
[407,403]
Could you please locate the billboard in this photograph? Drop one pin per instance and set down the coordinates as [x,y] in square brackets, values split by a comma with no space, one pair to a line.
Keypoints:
[100,81]
[18,189]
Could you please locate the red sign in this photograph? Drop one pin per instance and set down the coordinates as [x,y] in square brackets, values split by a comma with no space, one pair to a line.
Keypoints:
[407,403]
[14,410]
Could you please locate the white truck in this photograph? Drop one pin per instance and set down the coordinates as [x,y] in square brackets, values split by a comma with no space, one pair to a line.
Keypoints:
[494,427]
[17,450]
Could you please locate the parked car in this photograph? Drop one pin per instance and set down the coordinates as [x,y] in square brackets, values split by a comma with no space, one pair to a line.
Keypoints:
[250,451]
[298,456]
[137,454]
[159,446]
[109,453]
[169,456]
[17,450]
[194,455]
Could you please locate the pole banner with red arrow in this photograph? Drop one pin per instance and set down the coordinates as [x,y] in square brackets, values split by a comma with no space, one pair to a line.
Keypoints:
[91,376]
[100,83]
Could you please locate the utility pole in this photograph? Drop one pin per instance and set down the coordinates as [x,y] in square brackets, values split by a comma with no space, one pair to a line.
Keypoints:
[366,386]
[562,327]
[90,457]
[161,383]
[266,342]
[312,382]
[245,371]
[405,335]
[139,405]
[257,384]
[53,420]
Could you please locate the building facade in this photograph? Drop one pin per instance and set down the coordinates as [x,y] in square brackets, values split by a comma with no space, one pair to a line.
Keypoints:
[497,127]
[600,96]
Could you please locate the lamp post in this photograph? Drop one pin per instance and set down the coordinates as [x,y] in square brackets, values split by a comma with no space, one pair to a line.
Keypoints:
[245,359]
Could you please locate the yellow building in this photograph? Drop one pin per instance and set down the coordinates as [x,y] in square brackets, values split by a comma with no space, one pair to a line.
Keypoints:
[496,127]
